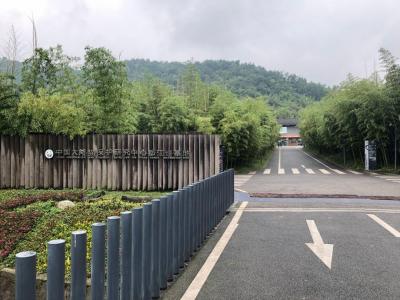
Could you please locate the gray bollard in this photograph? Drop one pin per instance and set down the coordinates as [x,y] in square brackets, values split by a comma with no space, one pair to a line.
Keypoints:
[55,269]
[193,218]
[147,243]
[126,254]
[163,243]
[198,216]
[181,230]
[175,231]
[203,210]
[186,224]
[170,237]
[25,276]
[156,251]
[113,232]
[78,265]
[98,260]
[137,253]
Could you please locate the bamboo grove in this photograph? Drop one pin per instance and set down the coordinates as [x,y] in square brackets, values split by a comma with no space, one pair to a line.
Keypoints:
[357,110]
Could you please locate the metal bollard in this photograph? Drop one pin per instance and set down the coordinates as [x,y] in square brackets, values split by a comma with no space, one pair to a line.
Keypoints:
[55,269]
[156,251]
[181,230]
[193,214]
[163,243]
[78,265]
[147,245]
[186,221]
[203,210]
[189,199]
[209,201]
[126,254]
[113,232]
[170,237]
[25,276]
[175,232]
[98,260]
[137,253]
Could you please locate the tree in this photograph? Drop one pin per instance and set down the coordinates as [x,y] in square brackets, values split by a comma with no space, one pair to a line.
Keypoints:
[55,113]
[9,97]
[38,72]
[174,115]
[106,77]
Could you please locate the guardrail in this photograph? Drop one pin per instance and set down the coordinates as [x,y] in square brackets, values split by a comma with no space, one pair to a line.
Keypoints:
[134,255]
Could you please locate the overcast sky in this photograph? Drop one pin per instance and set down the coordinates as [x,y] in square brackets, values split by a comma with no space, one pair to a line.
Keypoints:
[321,40]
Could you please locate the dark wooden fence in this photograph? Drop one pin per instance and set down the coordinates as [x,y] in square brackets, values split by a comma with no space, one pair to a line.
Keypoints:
[108,161]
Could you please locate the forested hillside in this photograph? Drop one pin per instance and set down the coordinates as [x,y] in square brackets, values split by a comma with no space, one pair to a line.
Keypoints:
[287,93]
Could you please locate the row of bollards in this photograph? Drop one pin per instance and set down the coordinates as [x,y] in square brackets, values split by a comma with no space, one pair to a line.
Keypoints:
[134,255]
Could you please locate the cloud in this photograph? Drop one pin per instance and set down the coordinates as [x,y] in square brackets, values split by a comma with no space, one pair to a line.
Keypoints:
[322,40]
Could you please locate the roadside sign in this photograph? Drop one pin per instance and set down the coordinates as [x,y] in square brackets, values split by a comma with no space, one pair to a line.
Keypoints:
[370,155]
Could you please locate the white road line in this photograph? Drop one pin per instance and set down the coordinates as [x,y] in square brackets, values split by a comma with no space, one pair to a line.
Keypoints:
[281,171]
[354,172]
[326,166]
[241,179]
[252,173]
[295,171]
[323,171]
[279,159]
[201,277]
[310,171]
[338,172]
[240,191]
[384,225]
[322,209]
[267,171]
[303,166]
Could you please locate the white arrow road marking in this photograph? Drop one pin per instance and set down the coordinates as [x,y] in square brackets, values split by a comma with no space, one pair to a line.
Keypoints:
[323,251]
[303,166]
[384,225]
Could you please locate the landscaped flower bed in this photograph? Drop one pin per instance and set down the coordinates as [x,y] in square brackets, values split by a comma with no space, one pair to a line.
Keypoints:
[13,227]
[29,220]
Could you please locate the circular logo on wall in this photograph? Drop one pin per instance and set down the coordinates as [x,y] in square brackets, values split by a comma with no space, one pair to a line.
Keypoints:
[49,153]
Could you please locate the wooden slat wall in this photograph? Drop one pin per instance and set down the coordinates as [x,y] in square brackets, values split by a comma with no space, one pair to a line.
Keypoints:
[23,164]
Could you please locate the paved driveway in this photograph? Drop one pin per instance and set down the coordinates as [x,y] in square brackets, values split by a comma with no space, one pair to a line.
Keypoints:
[292,171]
[301,249]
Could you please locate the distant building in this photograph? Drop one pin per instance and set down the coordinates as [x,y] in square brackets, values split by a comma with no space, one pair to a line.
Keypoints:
[289,132]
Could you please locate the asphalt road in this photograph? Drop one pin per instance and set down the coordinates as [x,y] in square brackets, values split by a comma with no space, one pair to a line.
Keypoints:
[322,246]
[292,171]
[267,256]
